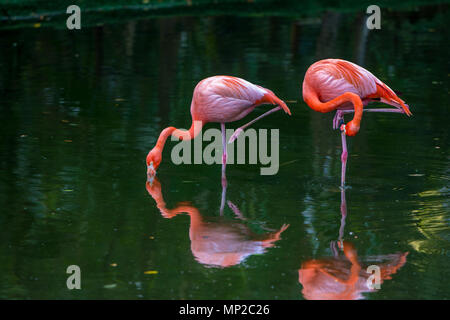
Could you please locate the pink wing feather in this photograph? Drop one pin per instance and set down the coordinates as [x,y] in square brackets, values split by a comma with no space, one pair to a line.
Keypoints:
[227,99]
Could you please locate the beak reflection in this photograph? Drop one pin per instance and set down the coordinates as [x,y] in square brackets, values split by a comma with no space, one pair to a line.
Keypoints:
[151,172]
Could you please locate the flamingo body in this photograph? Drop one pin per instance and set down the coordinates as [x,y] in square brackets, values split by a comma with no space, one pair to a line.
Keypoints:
[333,77]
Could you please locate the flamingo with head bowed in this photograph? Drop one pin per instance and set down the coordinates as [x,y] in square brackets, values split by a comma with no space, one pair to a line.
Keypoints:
[335,84]
[218,99]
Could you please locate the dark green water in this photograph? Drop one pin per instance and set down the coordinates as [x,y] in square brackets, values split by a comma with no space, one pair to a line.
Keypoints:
[80,110]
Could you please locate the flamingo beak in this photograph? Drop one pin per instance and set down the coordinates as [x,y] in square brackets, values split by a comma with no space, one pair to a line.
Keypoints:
[342,126]
[151,172]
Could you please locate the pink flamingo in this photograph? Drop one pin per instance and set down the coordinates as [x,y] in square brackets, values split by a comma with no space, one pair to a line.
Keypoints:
[218,99]
[335,84]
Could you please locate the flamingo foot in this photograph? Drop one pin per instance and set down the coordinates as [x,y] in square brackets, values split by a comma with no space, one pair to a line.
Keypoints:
[235,135]
[338,117]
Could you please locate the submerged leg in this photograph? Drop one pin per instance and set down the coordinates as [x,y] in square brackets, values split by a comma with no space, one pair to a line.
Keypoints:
[241,129]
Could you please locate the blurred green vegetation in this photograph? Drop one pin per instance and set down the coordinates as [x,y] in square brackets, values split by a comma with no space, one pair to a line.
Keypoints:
[13,13]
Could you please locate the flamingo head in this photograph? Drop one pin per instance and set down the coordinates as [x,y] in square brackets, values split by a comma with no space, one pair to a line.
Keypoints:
[350,129]
[154,158]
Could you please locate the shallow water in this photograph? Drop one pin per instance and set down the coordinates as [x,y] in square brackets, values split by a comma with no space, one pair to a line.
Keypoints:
[80,110]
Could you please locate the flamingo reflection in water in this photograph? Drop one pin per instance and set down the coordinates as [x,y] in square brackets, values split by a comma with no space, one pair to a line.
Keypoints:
[345,277]
[217,241]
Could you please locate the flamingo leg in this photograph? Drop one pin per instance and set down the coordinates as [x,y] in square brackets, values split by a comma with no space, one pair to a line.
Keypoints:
[241,129]
[224,154]
[392,110]
[340,113]
[224,166]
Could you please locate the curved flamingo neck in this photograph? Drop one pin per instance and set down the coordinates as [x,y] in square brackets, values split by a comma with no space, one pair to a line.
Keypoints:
[313,101]
[167,132]
[193,131]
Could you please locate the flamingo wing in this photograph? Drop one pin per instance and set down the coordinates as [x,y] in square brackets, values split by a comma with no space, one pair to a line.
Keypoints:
[388,96]
[226,99]
[334,77]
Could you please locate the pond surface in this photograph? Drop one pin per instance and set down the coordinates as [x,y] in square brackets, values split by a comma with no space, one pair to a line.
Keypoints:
[80,110]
